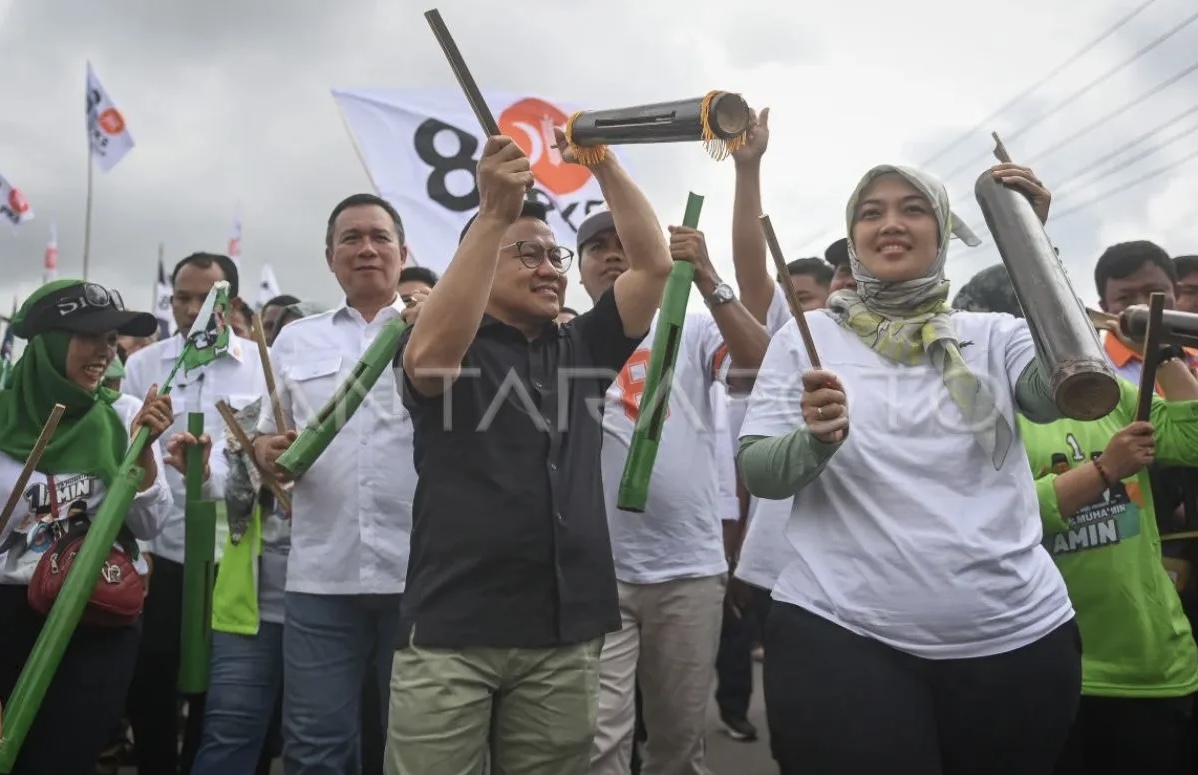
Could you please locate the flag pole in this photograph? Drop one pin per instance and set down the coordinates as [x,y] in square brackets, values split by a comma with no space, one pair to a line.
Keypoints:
[161,258]
[87,212]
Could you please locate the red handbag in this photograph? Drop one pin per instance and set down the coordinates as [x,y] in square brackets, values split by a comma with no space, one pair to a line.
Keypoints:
[120,591]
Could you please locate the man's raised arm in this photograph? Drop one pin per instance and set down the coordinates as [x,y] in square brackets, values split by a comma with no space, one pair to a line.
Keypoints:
[638,291]
[454,309]
[748,243]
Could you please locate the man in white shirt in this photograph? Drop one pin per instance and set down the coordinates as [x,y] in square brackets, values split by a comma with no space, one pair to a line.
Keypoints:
[670,561]
[352,510]
[238,379]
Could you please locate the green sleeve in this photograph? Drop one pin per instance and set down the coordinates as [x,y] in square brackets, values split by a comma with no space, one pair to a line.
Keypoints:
[1050,507]
[1033,397]
[777,467]
[1175,425]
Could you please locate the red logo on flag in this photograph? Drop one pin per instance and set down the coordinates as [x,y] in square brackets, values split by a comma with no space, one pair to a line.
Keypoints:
[51,256]
[111,121]
[530,123]
[17,201]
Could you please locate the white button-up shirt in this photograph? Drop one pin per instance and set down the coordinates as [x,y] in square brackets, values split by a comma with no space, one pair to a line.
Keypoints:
[351,513]
[236,378]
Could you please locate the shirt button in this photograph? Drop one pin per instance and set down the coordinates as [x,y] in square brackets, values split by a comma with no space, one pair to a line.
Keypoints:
[537,384]
[553,466]
[558,514]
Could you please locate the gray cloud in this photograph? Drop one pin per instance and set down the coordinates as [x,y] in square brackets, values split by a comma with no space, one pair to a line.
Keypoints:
[230,103]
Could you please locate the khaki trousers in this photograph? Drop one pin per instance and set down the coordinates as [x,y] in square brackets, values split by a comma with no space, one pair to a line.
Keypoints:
[536,707]
[668,641]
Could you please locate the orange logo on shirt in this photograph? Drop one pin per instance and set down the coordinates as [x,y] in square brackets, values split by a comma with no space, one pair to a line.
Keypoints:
[530,123]
[631,382]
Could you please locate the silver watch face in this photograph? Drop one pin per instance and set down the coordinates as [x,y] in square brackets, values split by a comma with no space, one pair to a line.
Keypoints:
[722,294]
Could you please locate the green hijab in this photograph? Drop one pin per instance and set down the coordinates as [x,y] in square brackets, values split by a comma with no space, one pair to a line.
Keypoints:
[91,437]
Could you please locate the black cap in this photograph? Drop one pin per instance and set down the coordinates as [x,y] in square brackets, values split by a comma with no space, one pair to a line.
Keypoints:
[837,253]
[531,209]
[87,308]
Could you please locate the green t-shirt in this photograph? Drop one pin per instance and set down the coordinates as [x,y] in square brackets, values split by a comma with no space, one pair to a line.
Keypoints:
[1136,640]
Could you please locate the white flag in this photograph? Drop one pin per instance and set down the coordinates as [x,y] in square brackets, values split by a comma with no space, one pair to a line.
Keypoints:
[109,137]
[235,239]
[13,205]
[162,301]
[268,287]
[421,147]
[50,264]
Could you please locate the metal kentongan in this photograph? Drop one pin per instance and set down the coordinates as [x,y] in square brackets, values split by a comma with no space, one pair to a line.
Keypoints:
[1082,382]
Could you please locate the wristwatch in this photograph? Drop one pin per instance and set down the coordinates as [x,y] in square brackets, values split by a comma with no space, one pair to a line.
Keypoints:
[722,294]
[1170,352]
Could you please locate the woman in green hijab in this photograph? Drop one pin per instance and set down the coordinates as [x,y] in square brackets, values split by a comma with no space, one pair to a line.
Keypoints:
[71,328]
[921,628]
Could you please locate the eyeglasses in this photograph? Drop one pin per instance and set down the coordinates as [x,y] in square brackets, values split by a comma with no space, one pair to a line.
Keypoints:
[533,254]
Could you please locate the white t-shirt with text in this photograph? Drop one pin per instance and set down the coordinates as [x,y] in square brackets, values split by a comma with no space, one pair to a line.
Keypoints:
[680,534]
[909,535]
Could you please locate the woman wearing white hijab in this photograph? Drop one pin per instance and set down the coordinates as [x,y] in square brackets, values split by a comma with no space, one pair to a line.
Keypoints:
[921,627]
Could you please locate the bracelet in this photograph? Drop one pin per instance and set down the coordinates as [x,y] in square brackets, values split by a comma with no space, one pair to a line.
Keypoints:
[1102,472]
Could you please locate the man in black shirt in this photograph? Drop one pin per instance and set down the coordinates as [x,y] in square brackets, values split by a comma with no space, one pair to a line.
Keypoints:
[511,586]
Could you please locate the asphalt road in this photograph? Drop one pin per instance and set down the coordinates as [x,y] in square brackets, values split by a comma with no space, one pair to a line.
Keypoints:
[726,756]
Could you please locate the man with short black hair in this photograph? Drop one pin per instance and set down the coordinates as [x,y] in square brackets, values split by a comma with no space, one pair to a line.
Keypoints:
[238,379]
[348,561]
[511,588]
[810,278]
[415,278]
[1126,275]
[415,283]
[1186,288]
[270,313]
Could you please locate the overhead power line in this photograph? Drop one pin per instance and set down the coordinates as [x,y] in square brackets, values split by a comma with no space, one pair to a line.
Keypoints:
[1079,93]
[1119,111]
[1086,49]
[1091,164]
[1090,180]
[1125,186]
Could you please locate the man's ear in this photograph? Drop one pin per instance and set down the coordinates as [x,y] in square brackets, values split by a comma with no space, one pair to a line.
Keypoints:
[404,252]
[1102,305]
[328,257]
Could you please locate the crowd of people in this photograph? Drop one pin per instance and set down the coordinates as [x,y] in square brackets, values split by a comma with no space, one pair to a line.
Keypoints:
[948,578]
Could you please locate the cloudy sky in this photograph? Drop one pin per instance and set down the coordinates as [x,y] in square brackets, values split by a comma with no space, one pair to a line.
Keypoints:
[230,105]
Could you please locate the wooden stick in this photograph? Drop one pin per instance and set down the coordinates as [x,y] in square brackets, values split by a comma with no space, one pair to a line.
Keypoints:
[1000,150]
[35,457]
[248,448]
[268,372]
[1151,357]
[1182,536]
[465,79]
[792,298]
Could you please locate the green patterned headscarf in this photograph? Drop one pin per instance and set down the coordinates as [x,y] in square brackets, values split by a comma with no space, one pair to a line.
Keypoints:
[904,320]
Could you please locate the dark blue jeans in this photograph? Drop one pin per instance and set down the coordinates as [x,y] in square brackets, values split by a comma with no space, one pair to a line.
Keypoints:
[246,678]
[330,644]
